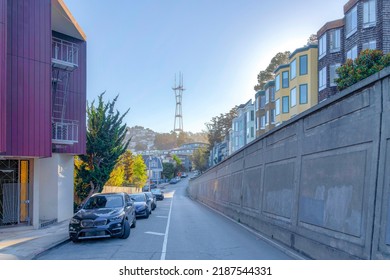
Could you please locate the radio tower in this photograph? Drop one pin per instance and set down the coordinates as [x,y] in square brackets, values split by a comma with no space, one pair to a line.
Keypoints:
[178,89]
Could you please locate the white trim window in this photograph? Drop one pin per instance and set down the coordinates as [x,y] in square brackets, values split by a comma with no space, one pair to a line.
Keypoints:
[322,46]
[266,96]
[293,69]
[322,79]
[333,74]
[352,53]
[273,116]
[267,118]
[277,106]
[334,44]
[369,45]
[369,13]
[293,97]
[351,22]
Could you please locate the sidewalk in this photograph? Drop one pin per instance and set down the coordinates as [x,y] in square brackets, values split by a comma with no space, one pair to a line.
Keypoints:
[25,242]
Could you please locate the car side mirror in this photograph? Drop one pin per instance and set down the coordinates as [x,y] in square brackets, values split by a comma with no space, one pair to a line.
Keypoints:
[130,203]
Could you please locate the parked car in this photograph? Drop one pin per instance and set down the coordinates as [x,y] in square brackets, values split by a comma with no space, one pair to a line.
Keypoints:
[153,198]
[158,193]
[184,175]
[143,204]
[174,180]
[103,215]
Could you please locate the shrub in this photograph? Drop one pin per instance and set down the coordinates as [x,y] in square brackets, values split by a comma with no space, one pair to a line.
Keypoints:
[369,62]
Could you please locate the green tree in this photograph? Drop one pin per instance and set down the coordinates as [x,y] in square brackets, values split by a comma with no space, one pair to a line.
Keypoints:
[200,159]
[105,144]
[168,170]
[140,176]
[268,74]
[219,127]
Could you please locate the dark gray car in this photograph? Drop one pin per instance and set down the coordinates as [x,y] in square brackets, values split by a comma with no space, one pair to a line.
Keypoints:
[103,215]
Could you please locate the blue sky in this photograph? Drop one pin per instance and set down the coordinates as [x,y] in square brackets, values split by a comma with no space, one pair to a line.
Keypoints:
[136,47]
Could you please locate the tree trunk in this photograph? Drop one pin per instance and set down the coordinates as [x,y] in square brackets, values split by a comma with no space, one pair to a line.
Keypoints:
[91,192]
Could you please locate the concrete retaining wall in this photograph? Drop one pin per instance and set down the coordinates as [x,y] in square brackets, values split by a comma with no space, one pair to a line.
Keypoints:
[319,183]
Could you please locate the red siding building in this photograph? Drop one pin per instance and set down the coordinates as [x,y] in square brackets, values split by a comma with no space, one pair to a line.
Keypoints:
[42,110]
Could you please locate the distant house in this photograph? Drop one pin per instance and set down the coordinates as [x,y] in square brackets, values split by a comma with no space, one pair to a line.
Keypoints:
[365,25]
[243,126]
[42,110]
[265,108]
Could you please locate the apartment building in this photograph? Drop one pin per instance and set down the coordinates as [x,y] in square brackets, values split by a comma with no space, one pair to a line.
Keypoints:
[42,110]
[365,25]
[265,108]
[243,127]
[296,84]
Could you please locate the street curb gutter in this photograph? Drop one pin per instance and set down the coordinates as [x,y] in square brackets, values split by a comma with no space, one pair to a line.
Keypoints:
[38,254]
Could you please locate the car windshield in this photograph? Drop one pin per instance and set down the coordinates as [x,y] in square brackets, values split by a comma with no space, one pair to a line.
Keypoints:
[138,197]
[156,191]
[149,194]
[104,201]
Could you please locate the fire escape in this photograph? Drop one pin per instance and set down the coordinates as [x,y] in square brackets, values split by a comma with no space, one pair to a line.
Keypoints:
[64,62]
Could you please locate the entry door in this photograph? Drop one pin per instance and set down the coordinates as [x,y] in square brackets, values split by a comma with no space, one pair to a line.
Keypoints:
[9,192]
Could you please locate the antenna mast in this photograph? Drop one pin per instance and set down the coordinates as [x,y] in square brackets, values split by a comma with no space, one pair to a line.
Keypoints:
[178,90]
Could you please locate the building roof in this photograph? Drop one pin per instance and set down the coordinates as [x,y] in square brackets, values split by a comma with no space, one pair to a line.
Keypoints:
[338,23]
[349,5]
[303,49]
[63,21]
[260,92]
[269,84]
[281,66]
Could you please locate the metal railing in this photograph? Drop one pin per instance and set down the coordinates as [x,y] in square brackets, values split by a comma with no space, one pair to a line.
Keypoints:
[65,131]
[65,52]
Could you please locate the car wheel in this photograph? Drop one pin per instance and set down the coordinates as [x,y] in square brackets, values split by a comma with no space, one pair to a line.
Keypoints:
[74,239]
[126,230]
[134,223]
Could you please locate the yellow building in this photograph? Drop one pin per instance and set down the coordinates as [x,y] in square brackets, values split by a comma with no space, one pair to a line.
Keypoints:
[296,83]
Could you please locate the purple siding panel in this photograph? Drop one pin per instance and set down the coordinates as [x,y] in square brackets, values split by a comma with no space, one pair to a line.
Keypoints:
[28,78]
[3,65]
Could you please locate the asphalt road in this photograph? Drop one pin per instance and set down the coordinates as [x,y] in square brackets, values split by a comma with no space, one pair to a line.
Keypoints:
[178,229]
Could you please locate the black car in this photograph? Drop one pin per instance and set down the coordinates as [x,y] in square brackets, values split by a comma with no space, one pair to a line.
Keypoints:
[103,215]
[153,198]
[143,204]
[158,193]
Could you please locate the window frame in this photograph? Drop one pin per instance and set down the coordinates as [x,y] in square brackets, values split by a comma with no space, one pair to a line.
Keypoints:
[351,18]
[322,46]
[285,79]
[277,107]
[322,76]
[300,93]
[333,74]
[293,97]
[305,63]
[368,14]
[277,82]
[335,39]
[293,69]
[285,101]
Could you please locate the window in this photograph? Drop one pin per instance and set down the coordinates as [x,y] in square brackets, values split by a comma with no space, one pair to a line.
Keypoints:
[293,97]
[272,94]
[252,115]
[303,94]
[277,106]
[333,74]
[303,65]
[369,45]
[267,118]
[277,82]
[257,123]
[351,22]
[262,125]
[334,44]
[285,79]
[322,46]
[293,69]
[322,79]
[262,102]
[252,132]
[369,13]
[267,96]
[352,53]
[273,116]
[285,104]
[257,104]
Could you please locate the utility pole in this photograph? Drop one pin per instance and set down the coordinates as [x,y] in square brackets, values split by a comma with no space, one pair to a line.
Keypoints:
[178,90]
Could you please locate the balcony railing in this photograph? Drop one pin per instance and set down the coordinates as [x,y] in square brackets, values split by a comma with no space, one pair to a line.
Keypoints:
[64,54]
[65,132]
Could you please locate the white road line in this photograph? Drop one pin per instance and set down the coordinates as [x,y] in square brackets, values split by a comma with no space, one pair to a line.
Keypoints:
[162,217]
[155,233]
[164,248]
